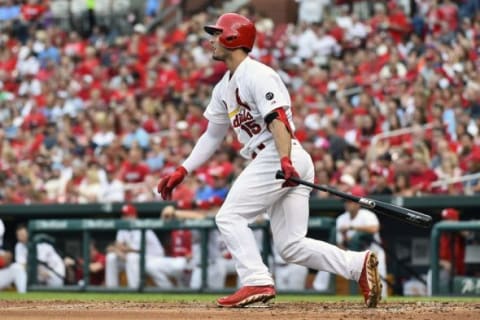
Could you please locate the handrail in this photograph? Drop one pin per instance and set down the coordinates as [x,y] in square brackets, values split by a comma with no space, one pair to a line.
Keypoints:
[443,182]
[399,132]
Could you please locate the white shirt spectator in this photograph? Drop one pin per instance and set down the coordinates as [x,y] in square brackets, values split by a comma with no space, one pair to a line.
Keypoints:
[103,138]
[344,21]
[72,106]
[358,30]
[306,44]
[28,87]
[113,191]
[29,66]
[386,72]
[311,10]
[326,46]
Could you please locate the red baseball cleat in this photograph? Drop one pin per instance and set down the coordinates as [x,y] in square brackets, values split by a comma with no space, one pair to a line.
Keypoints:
[247,295]
[369,281]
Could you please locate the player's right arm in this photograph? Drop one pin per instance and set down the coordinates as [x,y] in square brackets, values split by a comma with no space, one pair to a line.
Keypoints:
[206,145]
[204,148]
[218,124]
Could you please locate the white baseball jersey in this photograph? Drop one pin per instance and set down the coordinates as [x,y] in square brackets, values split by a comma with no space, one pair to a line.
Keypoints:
[132,238]
[45,253]
[157,265]
[363,218]
[21,253]
[245,98]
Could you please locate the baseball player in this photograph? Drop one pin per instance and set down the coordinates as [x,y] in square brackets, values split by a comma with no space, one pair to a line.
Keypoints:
[252,99]
[217,258]
[10,272]
[124,254]
[50,266]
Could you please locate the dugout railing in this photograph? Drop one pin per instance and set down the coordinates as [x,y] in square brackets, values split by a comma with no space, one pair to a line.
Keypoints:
[458,285]
[46,228]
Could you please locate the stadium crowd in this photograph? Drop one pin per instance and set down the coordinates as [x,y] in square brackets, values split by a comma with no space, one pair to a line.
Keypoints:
[100,117]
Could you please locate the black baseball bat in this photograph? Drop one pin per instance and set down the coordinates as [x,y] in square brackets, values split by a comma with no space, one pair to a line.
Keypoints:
[407,215]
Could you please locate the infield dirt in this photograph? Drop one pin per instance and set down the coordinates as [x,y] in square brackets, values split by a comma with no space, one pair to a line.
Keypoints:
[200,310]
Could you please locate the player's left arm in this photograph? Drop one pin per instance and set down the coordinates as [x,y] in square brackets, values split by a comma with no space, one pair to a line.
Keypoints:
[281,135]
[272,99]
[277,123]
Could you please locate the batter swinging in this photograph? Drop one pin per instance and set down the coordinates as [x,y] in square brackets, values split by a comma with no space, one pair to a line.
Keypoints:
[252,98]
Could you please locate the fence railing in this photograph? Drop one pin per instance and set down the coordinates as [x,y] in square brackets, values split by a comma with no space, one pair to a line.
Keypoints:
[400,132]
[463,179]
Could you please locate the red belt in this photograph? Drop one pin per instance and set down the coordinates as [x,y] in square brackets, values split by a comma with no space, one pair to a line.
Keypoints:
[260,147]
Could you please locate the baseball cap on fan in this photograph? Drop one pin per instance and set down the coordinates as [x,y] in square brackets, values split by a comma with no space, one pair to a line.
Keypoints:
[129,211]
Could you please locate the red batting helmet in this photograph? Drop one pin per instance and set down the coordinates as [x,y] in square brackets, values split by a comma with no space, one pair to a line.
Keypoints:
[236,31]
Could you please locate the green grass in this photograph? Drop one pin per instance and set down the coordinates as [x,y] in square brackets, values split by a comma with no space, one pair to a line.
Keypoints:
[175,297]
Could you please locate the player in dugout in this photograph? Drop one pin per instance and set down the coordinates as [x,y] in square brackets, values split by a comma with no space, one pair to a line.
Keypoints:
[252,98]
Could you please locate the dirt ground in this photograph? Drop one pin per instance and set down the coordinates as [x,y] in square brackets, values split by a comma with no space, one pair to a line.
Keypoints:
[201,310]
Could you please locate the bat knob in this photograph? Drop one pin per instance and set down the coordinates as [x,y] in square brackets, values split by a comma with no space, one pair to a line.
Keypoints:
[279,175]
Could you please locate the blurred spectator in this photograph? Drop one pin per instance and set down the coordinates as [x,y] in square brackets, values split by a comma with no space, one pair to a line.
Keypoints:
[402,185]
[311,11]
[133,172]
[89,188]
[111,189]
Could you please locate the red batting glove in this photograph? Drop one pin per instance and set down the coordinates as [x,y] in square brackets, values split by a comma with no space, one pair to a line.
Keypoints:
[168,183]
[289,172]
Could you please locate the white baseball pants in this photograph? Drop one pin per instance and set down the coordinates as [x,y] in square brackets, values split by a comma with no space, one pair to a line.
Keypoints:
[159,268]
[256,191]
[14,273]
